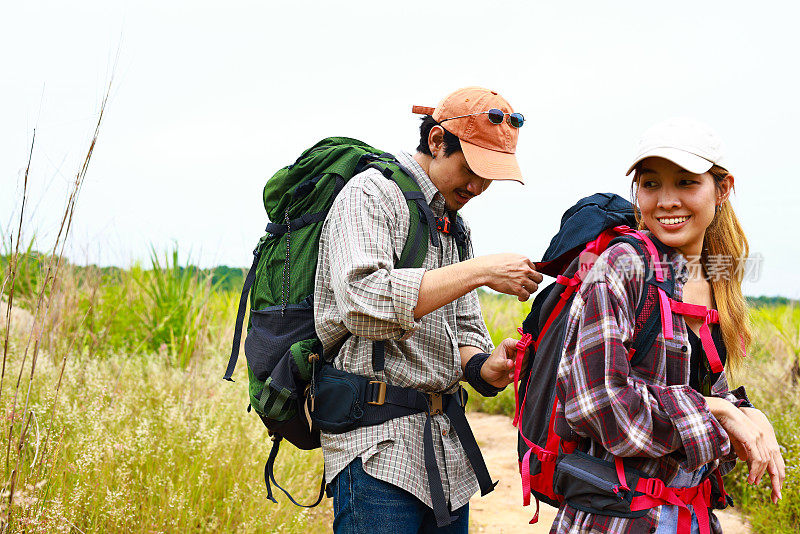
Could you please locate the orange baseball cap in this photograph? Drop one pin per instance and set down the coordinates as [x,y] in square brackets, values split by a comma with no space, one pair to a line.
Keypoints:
[488,148]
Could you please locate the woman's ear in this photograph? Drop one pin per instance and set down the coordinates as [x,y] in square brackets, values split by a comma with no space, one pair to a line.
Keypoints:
[724,190]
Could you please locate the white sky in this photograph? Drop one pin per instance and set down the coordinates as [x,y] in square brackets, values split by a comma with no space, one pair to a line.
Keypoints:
[209,99]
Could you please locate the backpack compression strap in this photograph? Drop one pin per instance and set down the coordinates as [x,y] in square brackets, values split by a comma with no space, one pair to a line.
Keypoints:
[237,332]
[269,474]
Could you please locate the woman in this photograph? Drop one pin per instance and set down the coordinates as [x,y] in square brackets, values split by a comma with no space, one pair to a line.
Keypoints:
[667,415]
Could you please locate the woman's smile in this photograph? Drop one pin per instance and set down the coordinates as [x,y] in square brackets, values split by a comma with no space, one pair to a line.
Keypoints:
[674,221]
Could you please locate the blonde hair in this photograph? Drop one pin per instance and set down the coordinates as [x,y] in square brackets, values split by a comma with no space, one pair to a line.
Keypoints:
[724,238]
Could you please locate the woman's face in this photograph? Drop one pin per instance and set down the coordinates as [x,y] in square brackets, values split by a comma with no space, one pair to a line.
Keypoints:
[676,205]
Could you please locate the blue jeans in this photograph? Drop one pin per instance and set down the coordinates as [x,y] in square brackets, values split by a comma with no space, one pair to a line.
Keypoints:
[363,504]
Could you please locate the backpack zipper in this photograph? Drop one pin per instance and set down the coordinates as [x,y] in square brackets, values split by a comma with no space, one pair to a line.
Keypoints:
[591,478]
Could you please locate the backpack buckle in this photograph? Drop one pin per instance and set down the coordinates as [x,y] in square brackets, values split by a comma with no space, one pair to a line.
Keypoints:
[654,487]
[546,456]
[381,393]
[443,224]
[435,404]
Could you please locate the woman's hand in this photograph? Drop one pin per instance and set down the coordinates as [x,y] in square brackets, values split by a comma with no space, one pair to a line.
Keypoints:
[749,438]
[776,467]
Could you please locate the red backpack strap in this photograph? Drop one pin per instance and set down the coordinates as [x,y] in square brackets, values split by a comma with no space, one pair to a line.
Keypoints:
[653,493]
[522,347]
[708,317]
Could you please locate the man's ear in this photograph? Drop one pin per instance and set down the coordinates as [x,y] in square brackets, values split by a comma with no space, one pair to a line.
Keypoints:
[436,141]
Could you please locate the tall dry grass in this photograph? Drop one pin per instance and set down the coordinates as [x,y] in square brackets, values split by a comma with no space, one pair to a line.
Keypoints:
[115,416]
[17,402]
[142,445]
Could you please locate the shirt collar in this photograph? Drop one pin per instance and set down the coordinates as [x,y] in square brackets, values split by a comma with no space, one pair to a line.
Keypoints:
[432,195]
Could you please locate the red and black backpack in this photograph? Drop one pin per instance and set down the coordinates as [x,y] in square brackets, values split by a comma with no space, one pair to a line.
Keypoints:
[551,469]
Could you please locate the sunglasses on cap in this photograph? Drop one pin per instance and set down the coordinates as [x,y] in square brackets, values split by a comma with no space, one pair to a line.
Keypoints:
[516,120]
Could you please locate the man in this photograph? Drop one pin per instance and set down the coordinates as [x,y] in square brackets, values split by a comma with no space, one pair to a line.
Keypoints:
[411,473]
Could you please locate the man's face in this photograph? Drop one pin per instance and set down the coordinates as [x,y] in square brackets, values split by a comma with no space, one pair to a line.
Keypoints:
[455,180]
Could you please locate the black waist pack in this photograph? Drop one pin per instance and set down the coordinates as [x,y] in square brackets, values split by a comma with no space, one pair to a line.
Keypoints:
[342,401]
[337,400]
[591,485]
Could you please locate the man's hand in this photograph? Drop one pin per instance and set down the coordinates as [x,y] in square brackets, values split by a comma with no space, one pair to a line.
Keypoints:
[498,369]
[512,274]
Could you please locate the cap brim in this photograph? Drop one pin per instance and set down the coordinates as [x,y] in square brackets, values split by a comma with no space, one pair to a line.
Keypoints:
[490,164]
[686,160]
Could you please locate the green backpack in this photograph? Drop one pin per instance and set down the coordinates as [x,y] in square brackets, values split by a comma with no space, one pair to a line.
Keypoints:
[281,347]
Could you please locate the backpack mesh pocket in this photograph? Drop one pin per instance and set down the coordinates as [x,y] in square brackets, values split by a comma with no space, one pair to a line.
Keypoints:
[272,332]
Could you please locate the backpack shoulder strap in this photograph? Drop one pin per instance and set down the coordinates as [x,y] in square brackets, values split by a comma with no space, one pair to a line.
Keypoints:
[416,247]
[421,215]
[648,309]
[422,223]
[459,231]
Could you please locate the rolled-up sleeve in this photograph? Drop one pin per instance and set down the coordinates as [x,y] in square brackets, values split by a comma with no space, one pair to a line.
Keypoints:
[736,396]
[375,299]
[599,397]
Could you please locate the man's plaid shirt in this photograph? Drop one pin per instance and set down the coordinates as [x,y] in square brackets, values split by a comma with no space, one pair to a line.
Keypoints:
[358,290]
[648,412]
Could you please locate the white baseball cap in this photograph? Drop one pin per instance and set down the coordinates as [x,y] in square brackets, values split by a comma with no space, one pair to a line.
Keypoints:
[685,142]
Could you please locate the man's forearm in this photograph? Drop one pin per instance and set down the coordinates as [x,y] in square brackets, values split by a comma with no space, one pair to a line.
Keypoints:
[467,352]
[446,284]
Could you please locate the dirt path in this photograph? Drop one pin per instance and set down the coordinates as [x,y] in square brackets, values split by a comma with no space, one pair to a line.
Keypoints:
[501,511]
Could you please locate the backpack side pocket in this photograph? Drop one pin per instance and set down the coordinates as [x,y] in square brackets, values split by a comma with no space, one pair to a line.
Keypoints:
[591,485]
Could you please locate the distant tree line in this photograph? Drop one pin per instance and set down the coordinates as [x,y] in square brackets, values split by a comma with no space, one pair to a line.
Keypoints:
[766,302]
